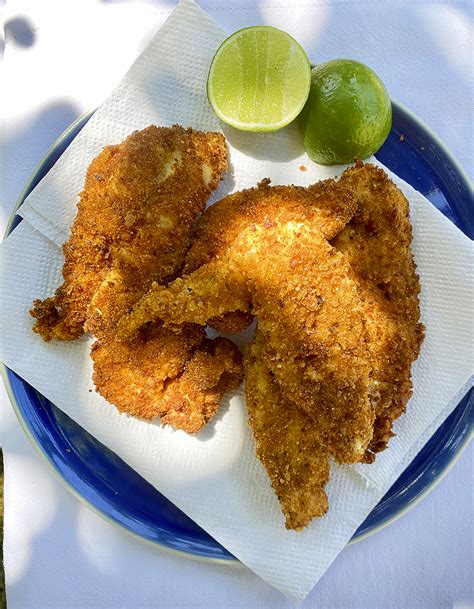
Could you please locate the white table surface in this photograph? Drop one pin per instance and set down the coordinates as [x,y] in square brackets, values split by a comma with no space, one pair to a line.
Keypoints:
[60,59]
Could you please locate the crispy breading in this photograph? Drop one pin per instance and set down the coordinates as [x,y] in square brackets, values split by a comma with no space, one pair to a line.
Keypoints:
[305,298]
[231,323]
[180,378]
[132,227]
[192,399]
[286,443]
[309,312]
[324,204]
[377,243]
[222,223]
[86,254]
[134,375]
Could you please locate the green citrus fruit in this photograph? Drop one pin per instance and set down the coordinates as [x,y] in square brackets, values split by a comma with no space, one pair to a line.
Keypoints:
[259,79]
[348,114]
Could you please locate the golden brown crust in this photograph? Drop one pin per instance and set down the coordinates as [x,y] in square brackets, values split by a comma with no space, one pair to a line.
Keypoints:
[286,443]
[192,399]
[223,223]
[86,253]
[179,377]
[324,204]
[134,375]
[309,312]
[231,323]
[132,227]
[275,260]
[377,243]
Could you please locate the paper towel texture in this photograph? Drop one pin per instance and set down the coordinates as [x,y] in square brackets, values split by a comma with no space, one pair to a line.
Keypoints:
[215,477]
[167,85]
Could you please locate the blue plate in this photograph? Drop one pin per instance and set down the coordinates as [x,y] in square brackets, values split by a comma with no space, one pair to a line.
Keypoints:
[115,491]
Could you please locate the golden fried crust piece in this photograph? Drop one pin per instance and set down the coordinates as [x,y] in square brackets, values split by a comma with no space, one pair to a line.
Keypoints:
[303,292]
[286,443]
[231,323]
[192,399]
[133,226]
[377,243]
[222,223]
[324,204]
[180,378]
[134,375]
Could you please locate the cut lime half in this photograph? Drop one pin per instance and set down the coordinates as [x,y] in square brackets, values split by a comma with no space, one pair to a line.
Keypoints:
[259,79]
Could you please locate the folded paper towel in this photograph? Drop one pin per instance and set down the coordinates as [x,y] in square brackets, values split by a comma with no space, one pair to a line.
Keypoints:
[215,477]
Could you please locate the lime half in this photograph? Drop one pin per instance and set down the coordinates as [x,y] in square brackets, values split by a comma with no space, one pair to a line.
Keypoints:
[348,114]
[259,79]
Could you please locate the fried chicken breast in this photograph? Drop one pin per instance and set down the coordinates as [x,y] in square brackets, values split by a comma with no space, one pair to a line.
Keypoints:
[223,222]
[133,227]
[277,262]
[377,244]
[286,443]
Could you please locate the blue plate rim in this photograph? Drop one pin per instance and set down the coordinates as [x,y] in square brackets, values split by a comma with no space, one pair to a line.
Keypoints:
[454,163]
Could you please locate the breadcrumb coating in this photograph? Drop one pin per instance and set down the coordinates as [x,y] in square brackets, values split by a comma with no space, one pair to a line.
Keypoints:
[133,227]
[377,243]
[274,260]
[286,443]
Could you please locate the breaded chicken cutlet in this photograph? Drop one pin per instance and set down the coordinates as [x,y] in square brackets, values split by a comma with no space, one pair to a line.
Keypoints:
[273,258]
[180,378]
[286,443]
[377,244]
[221,224]
[133,227]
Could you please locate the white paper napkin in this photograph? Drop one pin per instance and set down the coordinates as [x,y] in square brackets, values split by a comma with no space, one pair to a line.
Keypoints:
[167,85]
[215,477]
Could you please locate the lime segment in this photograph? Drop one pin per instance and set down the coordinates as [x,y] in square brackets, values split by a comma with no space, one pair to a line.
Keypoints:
[259,79]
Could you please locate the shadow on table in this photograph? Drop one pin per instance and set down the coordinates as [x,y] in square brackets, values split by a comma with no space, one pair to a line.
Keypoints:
[20,31]
[25,144]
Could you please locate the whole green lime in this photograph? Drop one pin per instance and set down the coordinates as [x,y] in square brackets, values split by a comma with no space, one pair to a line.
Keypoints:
[348,114]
